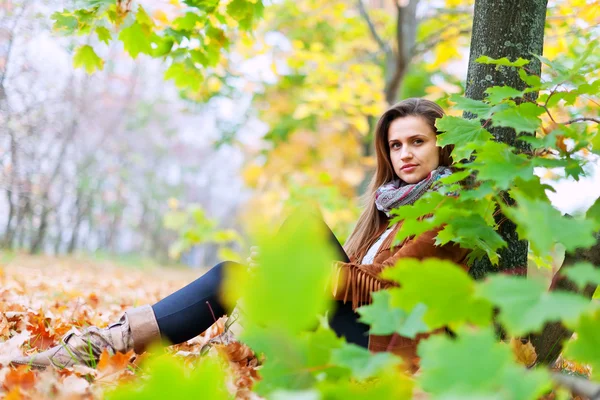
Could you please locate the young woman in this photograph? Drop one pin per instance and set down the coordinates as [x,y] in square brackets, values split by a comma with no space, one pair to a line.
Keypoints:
[408,163]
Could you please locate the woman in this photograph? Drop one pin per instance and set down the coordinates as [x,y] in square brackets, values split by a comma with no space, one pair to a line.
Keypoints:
[408,163]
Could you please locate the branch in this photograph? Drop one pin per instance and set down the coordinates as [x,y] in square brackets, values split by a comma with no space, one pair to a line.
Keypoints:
[578,386]
[582,119]
[11,37]
[428,45]
[363,12]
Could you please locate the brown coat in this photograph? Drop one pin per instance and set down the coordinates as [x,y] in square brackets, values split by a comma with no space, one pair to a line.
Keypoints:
[357,281]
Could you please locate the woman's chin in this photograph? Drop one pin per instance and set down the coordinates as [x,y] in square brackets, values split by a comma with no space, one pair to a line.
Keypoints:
[410,178]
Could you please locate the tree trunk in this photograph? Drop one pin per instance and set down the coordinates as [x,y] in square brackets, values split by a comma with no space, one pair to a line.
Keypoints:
[38,241]
[512,29]
[397,61]
[549,343]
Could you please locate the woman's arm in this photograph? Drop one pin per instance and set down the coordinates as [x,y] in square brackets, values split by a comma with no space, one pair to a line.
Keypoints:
[357,281]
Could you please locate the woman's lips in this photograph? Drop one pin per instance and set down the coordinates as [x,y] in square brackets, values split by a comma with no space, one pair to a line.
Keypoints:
[409,168]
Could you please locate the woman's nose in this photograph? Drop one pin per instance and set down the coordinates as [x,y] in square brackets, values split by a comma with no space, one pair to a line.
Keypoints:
[405,153]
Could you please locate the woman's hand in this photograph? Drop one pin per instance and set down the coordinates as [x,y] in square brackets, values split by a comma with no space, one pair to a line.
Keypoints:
[254,258]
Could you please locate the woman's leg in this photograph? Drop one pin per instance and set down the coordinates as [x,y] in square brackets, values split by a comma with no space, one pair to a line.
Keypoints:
[192,309]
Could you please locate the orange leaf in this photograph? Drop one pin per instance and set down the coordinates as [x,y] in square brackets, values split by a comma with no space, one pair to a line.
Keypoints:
[524,352]
[22,377]
[14,394]
[117,361]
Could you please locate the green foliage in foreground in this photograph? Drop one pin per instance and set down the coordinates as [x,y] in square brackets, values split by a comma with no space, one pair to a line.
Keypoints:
[304,356]
[563,146]
[283,297]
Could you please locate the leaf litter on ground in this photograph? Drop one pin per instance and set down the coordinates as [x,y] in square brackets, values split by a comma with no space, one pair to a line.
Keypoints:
[42,297]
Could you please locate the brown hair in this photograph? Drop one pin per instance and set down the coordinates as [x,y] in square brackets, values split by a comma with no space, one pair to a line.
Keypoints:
[371,219]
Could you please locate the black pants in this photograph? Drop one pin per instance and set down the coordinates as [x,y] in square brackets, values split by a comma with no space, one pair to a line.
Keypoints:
[189,311]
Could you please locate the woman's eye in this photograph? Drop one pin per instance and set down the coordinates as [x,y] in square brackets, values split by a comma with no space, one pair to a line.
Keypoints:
[395,145]
[418,141]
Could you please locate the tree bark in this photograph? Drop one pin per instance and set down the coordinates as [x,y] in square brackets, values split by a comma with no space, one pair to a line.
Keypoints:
[549,343]
[512,29]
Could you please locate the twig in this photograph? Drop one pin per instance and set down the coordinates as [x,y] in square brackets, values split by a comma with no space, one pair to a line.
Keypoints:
[581,119]
[211,311]
[578,386]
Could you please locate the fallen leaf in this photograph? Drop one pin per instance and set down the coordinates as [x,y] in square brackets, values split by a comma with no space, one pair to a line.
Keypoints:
[75,385]
[10,349]
[22,377]
[524,352]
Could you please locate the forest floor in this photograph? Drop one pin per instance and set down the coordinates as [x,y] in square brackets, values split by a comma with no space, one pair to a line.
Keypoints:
[42,297]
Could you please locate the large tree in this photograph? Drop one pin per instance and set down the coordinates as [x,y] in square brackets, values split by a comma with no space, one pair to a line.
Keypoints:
[512,29]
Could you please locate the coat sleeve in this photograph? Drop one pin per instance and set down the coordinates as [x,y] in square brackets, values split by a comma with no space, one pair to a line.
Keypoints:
[356,281]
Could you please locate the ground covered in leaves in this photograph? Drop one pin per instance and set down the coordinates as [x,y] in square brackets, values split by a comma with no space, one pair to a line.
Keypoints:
[41,298]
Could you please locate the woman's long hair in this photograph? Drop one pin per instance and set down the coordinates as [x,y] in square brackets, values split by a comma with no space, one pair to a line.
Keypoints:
[372,220]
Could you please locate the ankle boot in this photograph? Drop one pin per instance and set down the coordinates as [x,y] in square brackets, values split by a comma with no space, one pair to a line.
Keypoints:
[136,329]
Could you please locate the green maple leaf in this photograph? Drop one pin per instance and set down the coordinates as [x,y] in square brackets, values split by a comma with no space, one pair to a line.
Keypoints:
[595,142]
[184,75]
[143,18]
[136,39]
[593,213]
[163,46]
[188,21]
[443,287]
[519,62]
[245,12]
[479,108]
[463,133]
[497,162]
[293,361]
[498,93]
[386,320]
[533,188]
[472,232]
[389,384]
[543,225]
[522,118]
[582,274]
[208,6]
[103,34]
[65,22]
[361,362]
[476,365]
[533,81]
[526,305]
[585,348]
[294,262]
[86,57]
[168,377]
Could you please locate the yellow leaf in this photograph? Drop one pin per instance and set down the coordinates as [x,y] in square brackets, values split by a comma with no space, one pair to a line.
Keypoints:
[443,53]
[525,353]
[274,67]
[302,111]
[252,174]
[214,84]
[361,124]
[161,17]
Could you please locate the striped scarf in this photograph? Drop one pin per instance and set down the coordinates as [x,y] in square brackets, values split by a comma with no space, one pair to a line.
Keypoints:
[398,193]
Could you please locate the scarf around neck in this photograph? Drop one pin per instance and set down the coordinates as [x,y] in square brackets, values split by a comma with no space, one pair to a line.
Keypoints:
[399,193]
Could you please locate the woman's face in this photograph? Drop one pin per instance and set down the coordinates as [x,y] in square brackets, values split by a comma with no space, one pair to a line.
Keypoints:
[413,149]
